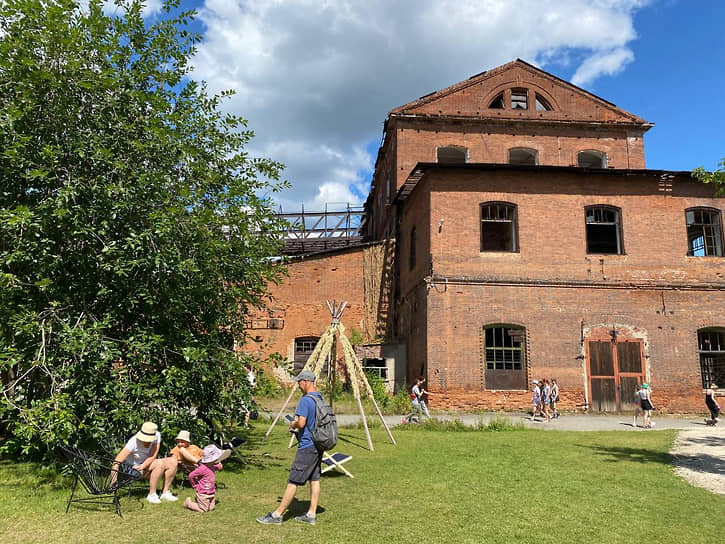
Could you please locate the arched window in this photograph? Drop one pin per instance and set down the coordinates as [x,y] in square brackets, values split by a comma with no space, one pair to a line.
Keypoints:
[304,346]
[504,357]
[499,227]
[523,156]
[411,255]
[603,228]
[591,159]
[497,103]
[542,104]
[452,155]
[704,235]
[711,345]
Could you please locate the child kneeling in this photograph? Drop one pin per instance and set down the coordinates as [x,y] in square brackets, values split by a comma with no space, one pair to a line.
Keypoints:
[203,479]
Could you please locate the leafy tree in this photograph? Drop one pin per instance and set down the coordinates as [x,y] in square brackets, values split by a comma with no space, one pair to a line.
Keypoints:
[132,238]
[717,177]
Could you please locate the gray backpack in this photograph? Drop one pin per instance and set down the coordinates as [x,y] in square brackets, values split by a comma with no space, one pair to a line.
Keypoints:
[324,435]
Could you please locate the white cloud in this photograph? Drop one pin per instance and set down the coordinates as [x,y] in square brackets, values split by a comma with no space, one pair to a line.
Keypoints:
[316,78]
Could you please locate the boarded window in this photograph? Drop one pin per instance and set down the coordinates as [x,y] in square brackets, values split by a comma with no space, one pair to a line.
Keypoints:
[304,346]
[523,156]
[711,345]
[542,104]
[704,237]
[519,99]
[591,159]
[452,155]
[504,357]
[603,230]
[498,227]
[497,103]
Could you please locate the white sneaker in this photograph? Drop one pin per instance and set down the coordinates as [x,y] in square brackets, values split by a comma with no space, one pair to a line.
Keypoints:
[168,497]
[153,499]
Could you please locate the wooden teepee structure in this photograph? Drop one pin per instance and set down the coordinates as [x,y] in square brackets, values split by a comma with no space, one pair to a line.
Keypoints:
[316,363]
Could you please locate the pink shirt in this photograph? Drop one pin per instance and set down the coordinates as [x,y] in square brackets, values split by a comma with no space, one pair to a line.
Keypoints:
[203,479]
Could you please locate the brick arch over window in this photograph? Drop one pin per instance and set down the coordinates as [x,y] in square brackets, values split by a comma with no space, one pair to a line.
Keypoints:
[711,347]
[504,356]
[704,232]
[604,229]
[499,227]
[524,156]
[591,158]
[452,154]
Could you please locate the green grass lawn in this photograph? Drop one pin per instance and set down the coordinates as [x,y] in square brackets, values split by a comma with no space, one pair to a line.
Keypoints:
[516,486]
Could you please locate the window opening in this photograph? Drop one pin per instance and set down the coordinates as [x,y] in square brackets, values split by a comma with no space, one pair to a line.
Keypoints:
[498,227]
[523,156]
[376,367]
[411,256]
[711,345]
[497,103]
[603,230]
[704,238]
[591,159]
[452,155]
[542,104]
[304,346]
[519,99]
[504,348]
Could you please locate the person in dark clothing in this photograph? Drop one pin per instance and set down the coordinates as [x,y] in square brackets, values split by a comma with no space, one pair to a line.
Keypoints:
[712,405]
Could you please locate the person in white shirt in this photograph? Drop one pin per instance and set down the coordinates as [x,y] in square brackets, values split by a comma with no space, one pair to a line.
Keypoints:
[416,398]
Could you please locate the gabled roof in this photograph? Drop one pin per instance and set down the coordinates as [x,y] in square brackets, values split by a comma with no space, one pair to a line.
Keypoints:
[472,98]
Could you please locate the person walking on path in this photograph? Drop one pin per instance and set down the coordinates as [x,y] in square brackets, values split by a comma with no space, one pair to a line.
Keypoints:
[712,405]
[645,400]
[637,408]
[418,391]
[554,398]
[535,399]
[306,465]
[546,399]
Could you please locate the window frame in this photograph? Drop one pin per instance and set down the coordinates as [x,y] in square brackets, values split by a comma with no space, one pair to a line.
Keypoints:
[502,349]
[456,148]
[618,224]
[530,150]
[518,92]
[514,220]
[718,224]
[601,154]
[710,376]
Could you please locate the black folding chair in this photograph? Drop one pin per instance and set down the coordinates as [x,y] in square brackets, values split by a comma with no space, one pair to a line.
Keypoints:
[100,476]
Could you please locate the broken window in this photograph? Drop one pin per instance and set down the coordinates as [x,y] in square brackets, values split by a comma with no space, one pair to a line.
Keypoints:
[711,345]
[524,156]
[504,357]
[497,103]
[452,155]
[411,255]
[519,99]
[304,346]
[498,227]
[591,159]
[375,367]
[703,232]
[603,230]
[542,104]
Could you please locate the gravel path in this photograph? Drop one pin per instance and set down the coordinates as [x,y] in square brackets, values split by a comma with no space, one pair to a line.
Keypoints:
[699,457]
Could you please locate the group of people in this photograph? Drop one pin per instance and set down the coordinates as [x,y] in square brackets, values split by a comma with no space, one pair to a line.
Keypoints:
[545,395]
[141,452]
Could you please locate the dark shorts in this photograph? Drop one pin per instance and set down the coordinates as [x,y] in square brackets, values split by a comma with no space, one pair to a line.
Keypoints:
[647,405]
[306,466]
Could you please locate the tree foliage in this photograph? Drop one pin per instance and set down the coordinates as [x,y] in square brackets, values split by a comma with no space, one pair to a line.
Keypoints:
[717,177]
[132,238]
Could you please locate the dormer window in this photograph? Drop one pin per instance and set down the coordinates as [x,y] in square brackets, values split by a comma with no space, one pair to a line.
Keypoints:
[452,155]
[523,156]
[519,99]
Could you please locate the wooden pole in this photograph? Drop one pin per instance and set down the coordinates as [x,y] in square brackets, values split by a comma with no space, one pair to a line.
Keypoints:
[365,421]
[284,407]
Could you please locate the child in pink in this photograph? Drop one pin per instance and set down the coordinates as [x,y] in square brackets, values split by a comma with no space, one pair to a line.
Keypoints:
[203,479]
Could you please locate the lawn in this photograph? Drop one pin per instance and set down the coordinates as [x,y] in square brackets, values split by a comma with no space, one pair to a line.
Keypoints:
[518,486]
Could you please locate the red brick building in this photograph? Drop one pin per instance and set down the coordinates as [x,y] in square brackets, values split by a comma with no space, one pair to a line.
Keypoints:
[530,242]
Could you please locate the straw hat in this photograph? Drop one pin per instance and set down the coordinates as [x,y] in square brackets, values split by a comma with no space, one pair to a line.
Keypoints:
[147,432]
[183,435]
[212,454]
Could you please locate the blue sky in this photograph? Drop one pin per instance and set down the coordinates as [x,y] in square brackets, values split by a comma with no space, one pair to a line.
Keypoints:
[316,78]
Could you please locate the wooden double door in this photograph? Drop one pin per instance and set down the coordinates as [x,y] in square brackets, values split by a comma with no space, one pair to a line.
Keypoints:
[615,369]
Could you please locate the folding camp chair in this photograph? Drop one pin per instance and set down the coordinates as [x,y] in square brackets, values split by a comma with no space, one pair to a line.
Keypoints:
[335,461]
[100,476]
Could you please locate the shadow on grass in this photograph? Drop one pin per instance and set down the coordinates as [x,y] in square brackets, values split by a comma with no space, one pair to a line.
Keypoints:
[639,455]
[298,507]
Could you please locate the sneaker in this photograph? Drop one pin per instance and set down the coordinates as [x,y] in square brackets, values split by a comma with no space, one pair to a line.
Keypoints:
[269,519]
[168,497]
[153,499]
[307,519]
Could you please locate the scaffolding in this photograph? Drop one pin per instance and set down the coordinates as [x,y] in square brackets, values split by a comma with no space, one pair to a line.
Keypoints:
[310,232]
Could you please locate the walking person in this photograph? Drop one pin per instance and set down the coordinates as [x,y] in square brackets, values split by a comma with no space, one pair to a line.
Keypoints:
[554,396]
[418,391]
[306,465]
[546,399]
[712,405]
[535,399]
[645,400]
[637,408]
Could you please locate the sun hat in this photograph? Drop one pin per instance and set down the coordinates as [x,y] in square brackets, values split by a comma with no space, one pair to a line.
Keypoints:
[534,381]
[212,454]
[147,432]
[645,386]
[307,375]
[183,435]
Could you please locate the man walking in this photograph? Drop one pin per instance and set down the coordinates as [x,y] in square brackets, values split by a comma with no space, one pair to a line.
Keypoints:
[306,465]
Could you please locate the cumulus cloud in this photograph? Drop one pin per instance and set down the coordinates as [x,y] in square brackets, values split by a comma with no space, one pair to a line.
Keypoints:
[316,78]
